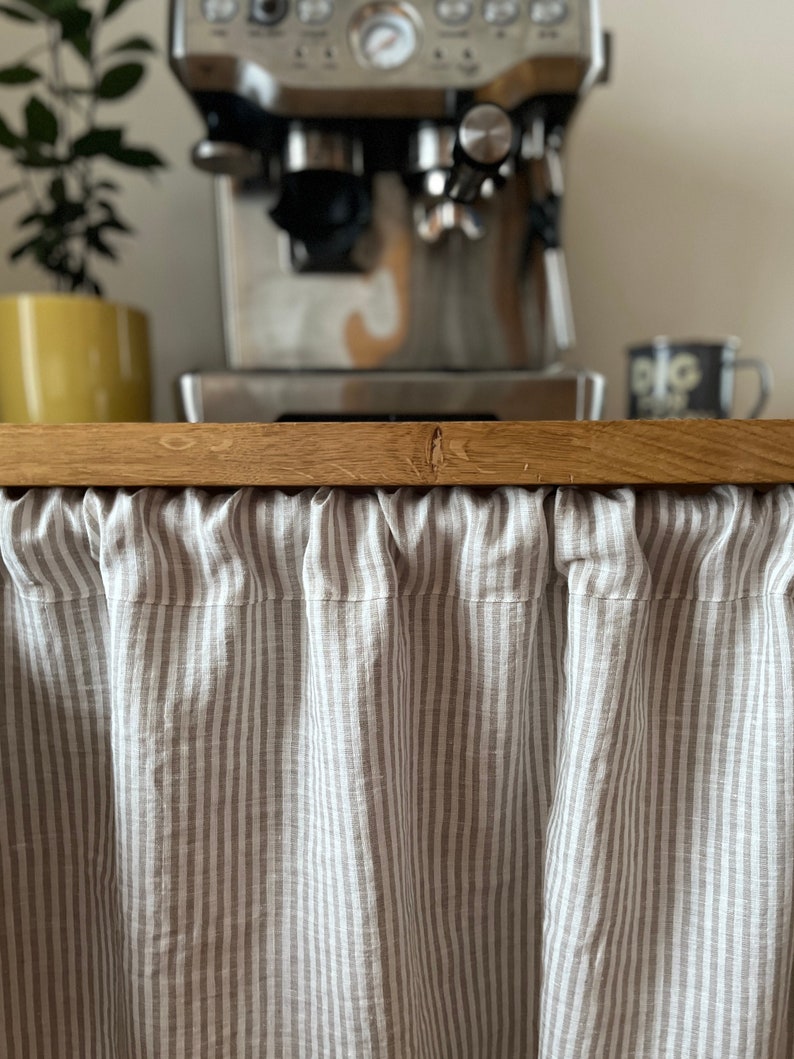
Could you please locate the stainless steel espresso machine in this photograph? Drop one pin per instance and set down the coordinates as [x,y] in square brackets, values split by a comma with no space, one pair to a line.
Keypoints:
[390,185]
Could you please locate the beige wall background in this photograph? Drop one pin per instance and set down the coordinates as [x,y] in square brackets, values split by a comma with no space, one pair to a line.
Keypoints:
[680,214]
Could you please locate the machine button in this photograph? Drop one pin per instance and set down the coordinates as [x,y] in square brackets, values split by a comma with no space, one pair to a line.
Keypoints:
[268,12]
[219,10]
[314,12]
[548,12]
[500,12]
[454,12]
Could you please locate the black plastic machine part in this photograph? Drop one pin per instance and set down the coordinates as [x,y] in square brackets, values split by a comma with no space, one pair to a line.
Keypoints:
[325,213]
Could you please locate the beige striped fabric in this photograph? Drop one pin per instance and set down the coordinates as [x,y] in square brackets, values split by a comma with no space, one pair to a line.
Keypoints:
[452,775]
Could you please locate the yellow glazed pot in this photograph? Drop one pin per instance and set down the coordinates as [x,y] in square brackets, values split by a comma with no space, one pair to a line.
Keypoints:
[72,358]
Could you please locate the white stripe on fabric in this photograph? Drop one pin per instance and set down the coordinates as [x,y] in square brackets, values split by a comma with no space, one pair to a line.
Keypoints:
[453,775]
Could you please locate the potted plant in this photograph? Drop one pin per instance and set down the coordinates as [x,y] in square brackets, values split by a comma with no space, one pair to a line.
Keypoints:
[70,355]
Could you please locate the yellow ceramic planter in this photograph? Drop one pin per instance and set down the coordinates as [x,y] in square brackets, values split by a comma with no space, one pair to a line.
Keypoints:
[72,358]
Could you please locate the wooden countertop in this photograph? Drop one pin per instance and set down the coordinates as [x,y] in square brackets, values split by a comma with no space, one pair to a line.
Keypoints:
[639,453]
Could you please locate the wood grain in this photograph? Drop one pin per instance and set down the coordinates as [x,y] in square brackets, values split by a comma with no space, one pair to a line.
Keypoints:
[639,453]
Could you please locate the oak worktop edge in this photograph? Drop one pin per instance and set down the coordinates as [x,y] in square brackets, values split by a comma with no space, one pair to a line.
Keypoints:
[623,452]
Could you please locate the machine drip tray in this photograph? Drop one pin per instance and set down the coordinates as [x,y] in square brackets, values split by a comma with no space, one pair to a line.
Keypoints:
[389,396]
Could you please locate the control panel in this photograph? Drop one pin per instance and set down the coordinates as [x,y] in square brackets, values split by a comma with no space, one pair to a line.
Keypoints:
[387,57]
[448,12]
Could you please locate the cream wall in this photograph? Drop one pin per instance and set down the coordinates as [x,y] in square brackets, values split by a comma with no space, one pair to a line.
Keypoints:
[681,213]
[680,217]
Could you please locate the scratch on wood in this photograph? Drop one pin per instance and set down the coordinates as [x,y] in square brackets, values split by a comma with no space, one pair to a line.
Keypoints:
[437,450]
[346,471]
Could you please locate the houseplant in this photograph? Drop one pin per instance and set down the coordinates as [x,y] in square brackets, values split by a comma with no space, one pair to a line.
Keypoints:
[61,142]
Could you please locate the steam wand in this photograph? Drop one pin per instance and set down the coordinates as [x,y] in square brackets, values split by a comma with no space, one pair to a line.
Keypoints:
[546,225]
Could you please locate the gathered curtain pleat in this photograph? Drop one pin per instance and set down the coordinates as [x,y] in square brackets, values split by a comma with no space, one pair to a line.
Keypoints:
[451,775]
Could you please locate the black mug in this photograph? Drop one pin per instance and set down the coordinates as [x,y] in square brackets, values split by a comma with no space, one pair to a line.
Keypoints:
[673,379]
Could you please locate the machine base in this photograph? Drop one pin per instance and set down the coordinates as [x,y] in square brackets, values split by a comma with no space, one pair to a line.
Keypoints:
[289,396]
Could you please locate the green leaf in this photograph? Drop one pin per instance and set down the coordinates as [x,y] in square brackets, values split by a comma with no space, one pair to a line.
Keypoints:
[44,249]
[7,137]
[112,220]
[119,81]
[76,30]
[138,158]
[98,141]
[33,158]
[21,16]
[41,122]
[75,22]
[134,44]
[22,249]
[66,213]
[118,226]
[73,19]
[18,75]
[30,218]
[112,7]
[81,42]
[53,8]
[93,238]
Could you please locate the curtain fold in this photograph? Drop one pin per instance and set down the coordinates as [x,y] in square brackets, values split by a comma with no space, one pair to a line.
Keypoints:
[454,774]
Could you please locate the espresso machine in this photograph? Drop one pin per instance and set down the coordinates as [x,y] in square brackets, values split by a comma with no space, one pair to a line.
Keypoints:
[390,184]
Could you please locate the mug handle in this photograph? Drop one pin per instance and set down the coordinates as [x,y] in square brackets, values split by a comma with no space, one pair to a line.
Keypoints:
[764,378]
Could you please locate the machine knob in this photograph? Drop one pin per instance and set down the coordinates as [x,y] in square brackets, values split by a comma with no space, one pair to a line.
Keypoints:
[485,140]
[268,12]
[486,136]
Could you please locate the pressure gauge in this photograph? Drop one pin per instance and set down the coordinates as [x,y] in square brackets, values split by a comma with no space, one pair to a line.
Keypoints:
[385,36]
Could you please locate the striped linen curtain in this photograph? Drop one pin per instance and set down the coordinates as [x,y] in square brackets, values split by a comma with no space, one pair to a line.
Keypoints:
[397,775]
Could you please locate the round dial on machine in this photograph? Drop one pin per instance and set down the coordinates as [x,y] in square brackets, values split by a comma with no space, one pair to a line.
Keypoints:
[385,36]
